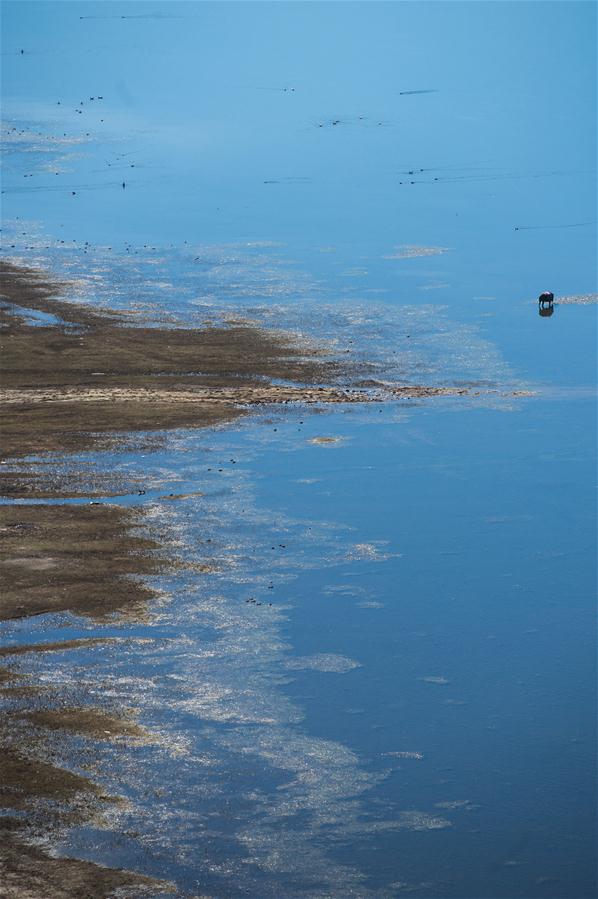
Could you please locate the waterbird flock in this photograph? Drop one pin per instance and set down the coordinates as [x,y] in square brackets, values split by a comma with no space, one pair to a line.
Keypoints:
[415,175]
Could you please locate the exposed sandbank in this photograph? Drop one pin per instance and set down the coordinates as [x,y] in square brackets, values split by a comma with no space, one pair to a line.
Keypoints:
[65,384]
[67,387]
[62,384]
[86,559]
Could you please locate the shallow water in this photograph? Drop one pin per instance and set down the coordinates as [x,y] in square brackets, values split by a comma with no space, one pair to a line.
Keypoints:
[411,706]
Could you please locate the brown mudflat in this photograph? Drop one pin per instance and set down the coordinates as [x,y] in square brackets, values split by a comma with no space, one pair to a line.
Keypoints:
[73,385]
[25,779]
[86,559]
[28,873]
[92,372]
[84,381]
[95,723]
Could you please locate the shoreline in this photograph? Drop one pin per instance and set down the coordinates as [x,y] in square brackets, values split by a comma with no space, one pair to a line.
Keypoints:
[92,560]
[87,382]
[151,378]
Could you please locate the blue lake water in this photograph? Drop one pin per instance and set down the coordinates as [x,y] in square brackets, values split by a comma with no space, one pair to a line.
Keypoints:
[411,709]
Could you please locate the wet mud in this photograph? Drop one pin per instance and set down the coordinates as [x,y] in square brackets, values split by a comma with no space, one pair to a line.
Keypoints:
[94,373]
[40,798]
[84,559]
[88,381]
[91,559]
[29,873]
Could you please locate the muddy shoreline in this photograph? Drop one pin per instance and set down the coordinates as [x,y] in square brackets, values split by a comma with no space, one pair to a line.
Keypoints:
[94,373]
[90,559]
[84,382]
[88,381]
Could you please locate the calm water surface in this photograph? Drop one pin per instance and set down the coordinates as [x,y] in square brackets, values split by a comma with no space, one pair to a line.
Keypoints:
[411,709]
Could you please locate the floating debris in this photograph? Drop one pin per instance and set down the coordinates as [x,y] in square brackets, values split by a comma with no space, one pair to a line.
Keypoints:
[328,662]
[409,251]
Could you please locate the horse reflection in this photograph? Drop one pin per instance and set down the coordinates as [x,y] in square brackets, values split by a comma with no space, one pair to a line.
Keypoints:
[546,311]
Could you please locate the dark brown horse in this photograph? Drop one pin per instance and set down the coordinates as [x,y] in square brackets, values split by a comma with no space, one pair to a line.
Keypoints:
[546,299]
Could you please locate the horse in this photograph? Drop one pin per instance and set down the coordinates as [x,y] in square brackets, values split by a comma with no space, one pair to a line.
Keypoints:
[546,298]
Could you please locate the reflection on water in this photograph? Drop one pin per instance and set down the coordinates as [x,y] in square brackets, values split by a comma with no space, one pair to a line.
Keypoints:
[257,716]
[313,652]
[212,701]
[274,717]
